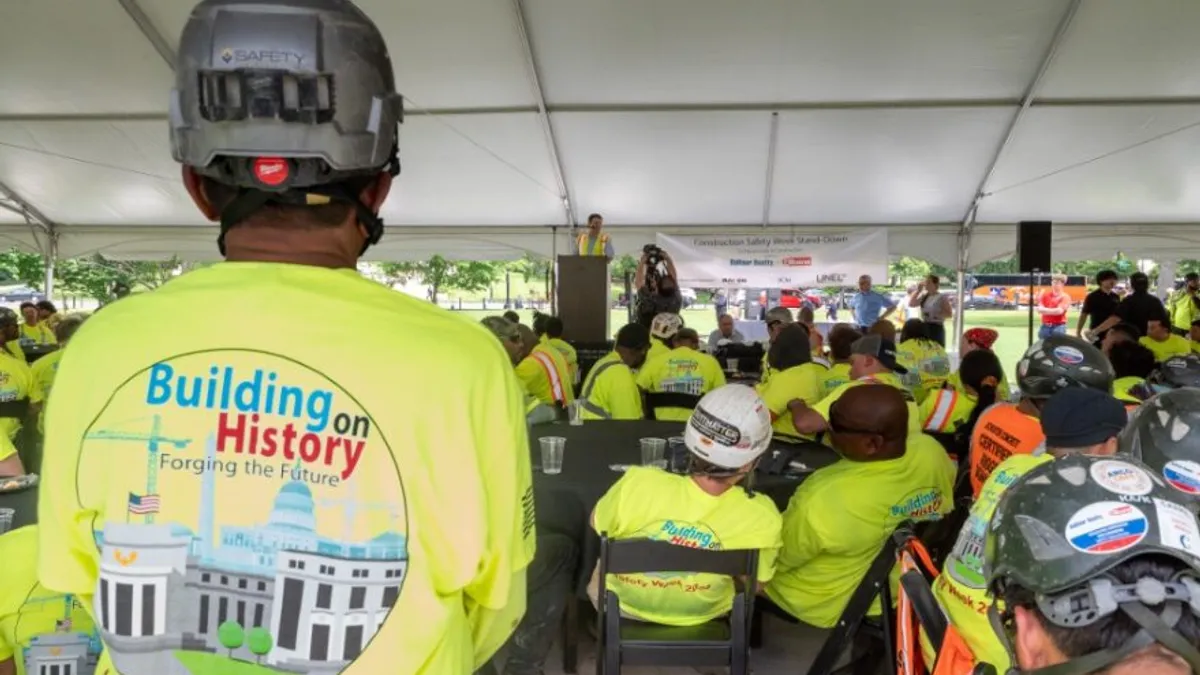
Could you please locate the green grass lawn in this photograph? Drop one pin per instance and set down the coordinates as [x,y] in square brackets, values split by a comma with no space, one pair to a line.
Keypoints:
[1010,324]
[203,662]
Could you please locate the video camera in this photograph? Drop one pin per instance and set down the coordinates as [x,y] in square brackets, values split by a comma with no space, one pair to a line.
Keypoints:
[654,256]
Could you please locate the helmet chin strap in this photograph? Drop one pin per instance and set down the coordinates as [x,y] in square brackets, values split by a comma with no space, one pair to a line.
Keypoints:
[249,201]
[1155,628]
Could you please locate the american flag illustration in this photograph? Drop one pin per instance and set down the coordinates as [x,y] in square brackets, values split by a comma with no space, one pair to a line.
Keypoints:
[143,504]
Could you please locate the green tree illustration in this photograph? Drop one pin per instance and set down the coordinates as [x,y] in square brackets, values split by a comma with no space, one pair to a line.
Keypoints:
[231,636]
[260,642]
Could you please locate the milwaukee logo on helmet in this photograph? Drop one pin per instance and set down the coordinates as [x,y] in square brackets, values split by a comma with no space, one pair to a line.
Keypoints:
[272,171]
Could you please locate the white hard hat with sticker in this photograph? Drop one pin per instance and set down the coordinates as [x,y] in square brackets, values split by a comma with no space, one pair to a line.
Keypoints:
[729,428]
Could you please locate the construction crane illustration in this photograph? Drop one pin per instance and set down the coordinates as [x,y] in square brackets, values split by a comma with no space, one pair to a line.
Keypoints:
[152,441]
[351,507]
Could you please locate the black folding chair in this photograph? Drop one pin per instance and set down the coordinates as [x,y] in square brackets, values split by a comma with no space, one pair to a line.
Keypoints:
[667,399]
[721,642]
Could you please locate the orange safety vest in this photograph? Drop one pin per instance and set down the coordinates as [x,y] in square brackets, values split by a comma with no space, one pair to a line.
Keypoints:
[556,383]
[597,247]
[1001,432]
[954,657]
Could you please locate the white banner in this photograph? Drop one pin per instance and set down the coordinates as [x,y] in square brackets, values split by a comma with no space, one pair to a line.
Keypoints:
[778,260]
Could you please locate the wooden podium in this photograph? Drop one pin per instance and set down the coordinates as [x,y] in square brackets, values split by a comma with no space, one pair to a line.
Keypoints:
[583,297]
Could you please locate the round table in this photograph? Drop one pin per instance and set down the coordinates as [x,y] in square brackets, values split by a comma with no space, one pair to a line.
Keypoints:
[564,501]
[23,503]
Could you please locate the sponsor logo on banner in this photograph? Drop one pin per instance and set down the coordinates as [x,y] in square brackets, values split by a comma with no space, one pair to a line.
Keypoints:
[1106,527]
[1183,476]
[798,261]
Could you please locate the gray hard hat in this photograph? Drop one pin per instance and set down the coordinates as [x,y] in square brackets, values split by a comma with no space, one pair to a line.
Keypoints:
[1164,433]
[285,99]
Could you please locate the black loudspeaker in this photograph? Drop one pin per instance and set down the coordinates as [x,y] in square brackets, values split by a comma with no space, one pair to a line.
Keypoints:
[1033,245]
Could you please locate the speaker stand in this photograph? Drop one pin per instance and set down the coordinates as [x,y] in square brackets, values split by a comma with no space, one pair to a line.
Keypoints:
[1031,301]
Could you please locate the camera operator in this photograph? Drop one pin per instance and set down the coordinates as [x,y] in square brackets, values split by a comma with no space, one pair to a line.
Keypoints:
[658,290]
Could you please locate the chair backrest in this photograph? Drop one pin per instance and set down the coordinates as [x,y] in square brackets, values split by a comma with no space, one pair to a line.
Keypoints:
[668,399]
[633,556]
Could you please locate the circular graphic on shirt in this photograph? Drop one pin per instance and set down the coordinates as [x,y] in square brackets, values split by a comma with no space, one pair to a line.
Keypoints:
[1106,527]
[1122,478]
[252,513]
[1068,355]
[1183,475]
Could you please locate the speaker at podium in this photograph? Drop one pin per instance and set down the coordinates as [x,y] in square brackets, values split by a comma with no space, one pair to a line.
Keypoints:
[583,297]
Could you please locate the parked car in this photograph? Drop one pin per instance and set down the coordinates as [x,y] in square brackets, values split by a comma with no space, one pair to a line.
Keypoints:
[794,299]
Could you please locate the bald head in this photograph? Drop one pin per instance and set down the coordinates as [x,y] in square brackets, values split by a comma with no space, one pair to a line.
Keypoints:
[869,423]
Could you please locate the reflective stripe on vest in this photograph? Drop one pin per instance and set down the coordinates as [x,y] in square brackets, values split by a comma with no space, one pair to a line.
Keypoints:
[597,246]
[947,399]
[556,385]
[587,391]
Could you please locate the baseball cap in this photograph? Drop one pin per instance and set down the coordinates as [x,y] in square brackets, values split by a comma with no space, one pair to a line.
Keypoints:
[984,337]
[884,350]
[1077,418]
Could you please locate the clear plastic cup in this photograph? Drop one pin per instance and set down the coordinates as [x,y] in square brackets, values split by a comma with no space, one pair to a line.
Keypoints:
[6,519]
[654,452]
[677,454]
[575,413]
[552,453]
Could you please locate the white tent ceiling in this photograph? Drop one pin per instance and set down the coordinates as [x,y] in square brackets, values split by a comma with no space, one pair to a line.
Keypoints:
[660,114]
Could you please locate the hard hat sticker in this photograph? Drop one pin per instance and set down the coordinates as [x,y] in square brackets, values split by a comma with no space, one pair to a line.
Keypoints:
[1177,527]
[1068,355]
[1183,475]
[1106,527]
[1122,478]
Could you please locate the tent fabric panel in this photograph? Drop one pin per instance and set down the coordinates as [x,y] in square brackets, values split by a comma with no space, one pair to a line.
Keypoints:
[95,172]
[706,51]
[68,56]
[1077,241]
[660,167]
[1156,181]
[1122,49]
[868,166]
[447,179]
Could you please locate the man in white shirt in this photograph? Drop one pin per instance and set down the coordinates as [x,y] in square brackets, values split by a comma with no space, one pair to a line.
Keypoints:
[725,332]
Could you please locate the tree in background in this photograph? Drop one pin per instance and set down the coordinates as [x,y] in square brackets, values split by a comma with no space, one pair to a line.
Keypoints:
[440,274]
[623,265]
[260,642]
[530,267]
[231,635]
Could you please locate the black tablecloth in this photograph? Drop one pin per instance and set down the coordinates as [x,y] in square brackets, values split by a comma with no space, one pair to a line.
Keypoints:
[24,503]
[565,501]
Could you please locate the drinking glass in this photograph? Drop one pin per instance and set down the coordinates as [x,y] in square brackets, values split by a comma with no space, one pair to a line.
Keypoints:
[653,452]
[552,453]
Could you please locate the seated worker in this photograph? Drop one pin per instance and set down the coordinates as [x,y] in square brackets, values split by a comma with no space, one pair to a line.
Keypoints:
[31,613]
[512,316]
[841,341]
[1073,421]
[34,330]
[884,329]
[553,337]
[610,391]
[926,361]
[838,519]
[972,340]
[707,508]
[947,409]
[509,335]
[1122,332]
[48,314]
[1125,608]
[662,331]
[16,386]
[796,377]
[872,361]
[1160,340]
[44,369]
[544,371]
[1132,363]
[724,334]
[683,370]
[1056,363]
[776,319]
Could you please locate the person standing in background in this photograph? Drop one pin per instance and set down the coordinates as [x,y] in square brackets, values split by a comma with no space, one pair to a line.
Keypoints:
[720,303]
[1053,305]
[34,330]
[1137,308]
[935,308]
[1099,304]
[594,242]
[1184,305]
[869,304]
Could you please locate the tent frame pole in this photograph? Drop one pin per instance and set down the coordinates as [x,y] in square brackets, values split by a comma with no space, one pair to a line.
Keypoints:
[149,31]
[772,147]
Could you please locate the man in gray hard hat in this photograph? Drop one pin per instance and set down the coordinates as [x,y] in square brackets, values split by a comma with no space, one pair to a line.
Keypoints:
[269,491]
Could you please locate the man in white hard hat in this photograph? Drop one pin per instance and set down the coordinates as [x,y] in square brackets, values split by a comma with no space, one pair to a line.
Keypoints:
[726,434]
